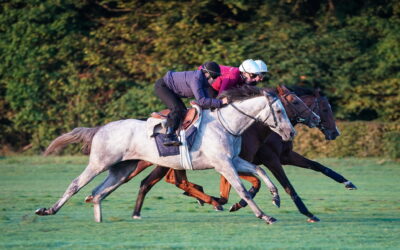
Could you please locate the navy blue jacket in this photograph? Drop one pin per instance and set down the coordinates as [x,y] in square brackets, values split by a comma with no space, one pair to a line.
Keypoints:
[191,84]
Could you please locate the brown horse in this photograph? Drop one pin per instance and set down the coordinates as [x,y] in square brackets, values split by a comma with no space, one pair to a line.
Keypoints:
[272,153]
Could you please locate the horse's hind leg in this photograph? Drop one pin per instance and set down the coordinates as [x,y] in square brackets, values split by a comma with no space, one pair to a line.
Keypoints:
[118,174]
[84,178]
[140,166]
[179,178]
[296,159]
[147,183]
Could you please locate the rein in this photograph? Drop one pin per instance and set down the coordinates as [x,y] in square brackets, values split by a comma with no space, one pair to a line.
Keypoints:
[249,116]
[298,114]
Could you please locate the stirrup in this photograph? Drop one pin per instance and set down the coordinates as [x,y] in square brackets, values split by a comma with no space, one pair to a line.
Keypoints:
[171,140]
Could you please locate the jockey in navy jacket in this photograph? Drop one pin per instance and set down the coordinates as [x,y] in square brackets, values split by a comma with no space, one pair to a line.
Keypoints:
[191,84]
[175,85]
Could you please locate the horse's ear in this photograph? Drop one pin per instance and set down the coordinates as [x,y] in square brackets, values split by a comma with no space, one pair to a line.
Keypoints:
[316,92]
[284,88]
[281,90]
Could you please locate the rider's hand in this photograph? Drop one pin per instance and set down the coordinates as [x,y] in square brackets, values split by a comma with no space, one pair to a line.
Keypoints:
[225,100]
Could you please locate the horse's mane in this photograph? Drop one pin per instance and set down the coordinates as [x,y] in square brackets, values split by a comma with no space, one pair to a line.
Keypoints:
[244,92]
[302,91]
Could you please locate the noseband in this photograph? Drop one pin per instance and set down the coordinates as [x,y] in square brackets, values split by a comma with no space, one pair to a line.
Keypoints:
[249,116]
[298,114]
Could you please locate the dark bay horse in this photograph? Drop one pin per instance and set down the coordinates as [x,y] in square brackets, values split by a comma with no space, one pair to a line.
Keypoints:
[272,153]
[275,153]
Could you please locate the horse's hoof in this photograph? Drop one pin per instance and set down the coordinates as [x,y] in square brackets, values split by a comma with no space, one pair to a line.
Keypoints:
[136,217]
[271,220]
[350,186]
[235,207]
[200,202]
[276,201]
[89,199]
[221,201]
[313,219]
[219,208]
[42,211]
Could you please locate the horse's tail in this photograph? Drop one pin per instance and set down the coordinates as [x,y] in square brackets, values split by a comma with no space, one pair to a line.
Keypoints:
[81,134]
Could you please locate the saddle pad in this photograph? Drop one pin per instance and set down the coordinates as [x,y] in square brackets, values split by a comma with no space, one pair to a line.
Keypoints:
[174,150]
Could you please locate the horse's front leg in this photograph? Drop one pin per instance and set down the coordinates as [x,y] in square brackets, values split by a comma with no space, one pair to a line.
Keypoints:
[247,167]
[228,170]
[295,159]
[225,187]
[271,160]
[256,185]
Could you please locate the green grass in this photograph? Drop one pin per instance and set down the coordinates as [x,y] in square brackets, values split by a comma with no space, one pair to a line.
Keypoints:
[367,218]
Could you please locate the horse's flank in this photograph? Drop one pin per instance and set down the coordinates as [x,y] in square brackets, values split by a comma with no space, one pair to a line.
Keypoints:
[81,134]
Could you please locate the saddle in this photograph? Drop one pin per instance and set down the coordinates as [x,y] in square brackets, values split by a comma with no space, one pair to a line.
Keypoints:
[191,116]
[187,133]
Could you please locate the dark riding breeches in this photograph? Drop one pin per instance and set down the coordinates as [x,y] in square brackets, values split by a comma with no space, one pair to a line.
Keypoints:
[173,102]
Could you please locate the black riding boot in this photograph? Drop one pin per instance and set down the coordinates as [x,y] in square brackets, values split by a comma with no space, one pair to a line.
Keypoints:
[170,138]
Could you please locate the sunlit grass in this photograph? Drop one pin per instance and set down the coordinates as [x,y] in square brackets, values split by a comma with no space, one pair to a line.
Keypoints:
[365,218]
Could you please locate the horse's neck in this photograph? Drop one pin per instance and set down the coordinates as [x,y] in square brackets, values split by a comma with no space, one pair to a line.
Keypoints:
[263,131]
[309,100]
[237,122]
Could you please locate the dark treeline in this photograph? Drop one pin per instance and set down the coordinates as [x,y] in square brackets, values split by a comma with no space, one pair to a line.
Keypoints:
[70,63]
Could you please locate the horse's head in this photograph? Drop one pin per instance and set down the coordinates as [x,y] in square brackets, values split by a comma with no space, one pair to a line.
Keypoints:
[277,118]
[296,109]
[320,105]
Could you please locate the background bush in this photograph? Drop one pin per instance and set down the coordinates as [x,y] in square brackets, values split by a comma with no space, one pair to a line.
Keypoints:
[359,139]
[86,62]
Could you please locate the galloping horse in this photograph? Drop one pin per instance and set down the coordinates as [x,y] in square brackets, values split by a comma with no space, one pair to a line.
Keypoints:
[272,153]
[252,140]
[119,145]
[276,152]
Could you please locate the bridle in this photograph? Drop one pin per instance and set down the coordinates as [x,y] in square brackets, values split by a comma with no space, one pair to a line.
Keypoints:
[298,115]
[315,107]
[219,115]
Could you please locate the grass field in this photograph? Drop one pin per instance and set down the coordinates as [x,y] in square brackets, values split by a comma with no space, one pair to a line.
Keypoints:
[367,218]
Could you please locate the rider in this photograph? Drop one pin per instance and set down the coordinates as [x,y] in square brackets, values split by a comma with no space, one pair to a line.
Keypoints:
[175,85]
[263,70]
[249,72]
[232,77]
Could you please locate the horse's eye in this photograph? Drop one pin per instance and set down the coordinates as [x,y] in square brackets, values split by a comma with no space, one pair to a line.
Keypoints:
[279,112]
[325,110]
[295,102]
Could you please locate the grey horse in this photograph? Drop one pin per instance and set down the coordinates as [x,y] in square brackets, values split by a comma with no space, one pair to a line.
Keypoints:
[116,145]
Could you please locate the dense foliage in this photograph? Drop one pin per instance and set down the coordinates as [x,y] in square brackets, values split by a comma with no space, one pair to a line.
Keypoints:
[359,139]
[69,63]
